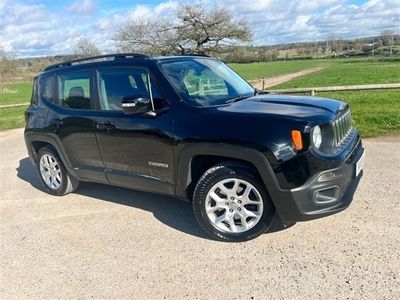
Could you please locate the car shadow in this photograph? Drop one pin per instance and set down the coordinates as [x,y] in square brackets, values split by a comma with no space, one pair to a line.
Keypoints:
[172,212]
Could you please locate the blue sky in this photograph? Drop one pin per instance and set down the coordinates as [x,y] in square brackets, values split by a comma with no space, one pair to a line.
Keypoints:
[45,27]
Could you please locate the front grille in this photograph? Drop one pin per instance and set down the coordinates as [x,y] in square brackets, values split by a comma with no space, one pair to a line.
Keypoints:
[342,127]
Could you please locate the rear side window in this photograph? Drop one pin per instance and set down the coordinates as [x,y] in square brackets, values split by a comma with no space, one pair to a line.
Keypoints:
[75,90]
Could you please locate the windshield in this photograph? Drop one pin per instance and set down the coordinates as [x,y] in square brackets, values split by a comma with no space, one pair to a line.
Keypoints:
[206,82]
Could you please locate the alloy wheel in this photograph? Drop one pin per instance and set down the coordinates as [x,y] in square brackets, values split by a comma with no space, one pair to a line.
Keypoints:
[50,171]
[234,205]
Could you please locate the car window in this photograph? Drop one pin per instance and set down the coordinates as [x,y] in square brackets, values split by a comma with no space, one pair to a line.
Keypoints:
[46,88]
[116,85]
[205,82]
[75,91]
[34,98]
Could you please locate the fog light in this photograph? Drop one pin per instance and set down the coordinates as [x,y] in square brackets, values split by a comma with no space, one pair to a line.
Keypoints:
[326,176]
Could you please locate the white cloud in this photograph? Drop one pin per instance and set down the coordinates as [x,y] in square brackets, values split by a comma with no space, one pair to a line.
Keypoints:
[34,29]
[300,20]
[31,30]
[83,7]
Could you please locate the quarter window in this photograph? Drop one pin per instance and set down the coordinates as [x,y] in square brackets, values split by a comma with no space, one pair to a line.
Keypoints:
[46,88]
[34,98]
[74,90]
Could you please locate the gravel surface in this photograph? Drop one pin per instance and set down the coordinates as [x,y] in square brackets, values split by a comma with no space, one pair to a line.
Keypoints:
[107,242]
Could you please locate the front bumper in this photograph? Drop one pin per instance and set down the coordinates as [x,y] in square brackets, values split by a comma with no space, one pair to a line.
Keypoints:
[316,198]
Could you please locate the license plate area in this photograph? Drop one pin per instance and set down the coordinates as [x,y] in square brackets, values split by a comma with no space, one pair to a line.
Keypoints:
[360,164]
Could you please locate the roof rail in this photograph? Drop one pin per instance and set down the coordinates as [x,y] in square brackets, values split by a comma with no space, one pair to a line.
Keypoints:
[95,58]
[196,54]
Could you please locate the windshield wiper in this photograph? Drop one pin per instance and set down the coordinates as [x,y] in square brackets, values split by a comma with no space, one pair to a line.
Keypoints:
[237,99]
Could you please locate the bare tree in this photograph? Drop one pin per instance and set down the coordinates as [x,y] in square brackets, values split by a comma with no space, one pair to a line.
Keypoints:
[388,39]
[148,36]
[196,29]
[336,43]
[85,48]
[8,66]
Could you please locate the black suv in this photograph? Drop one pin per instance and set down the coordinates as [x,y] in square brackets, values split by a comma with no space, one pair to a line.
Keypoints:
[190,127]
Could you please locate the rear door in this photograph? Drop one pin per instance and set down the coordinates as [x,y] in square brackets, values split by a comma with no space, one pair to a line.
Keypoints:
[137,150]
[71,119]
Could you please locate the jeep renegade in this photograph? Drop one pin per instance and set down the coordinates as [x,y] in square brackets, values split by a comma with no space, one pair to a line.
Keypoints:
[190,127]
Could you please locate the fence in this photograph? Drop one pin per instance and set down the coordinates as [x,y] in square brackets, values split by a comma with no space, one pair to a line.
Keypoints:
[313,90]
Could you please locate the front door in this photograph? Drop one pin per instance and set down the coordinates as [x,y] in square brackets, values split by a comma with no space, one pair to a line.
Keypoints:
[137,150]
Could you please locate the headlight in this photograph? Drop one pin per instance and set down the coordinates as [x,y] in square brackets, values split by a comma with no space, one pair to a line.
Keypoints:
[316,136]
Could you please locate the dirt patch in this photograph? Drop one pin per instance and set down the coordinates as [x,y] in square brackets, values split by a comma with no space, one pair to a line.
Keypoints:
[268,82]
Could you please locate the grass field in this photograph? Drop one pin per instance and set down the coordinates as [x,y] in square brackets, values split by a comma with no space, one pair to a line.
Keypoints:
[374,112]
[12,117]
[349,72]
[11,93]
[269,69]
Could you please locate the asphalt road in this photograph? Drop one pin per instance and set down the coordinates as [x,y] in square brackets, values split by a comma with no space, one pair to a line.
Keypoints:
[107,242]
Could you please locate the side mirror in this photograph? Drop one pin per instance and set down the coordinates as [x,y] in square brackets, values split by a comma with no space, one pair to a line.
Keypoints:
[136,105]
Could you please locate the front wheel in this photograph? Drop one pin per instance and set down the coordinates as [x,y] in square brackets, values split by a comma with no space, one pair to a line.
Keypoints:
[231,204]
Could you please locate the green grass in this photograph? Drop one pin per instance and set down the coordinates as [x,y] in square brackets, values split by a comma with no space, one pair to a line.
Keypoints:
[374,112]
[349,72]
[269,69]
[12,117]
[11,93]
[14,93]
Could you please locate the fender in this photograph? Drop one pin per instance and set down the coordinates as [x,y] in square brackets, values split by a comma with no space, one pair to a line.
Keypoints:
[281,198]
[51,139]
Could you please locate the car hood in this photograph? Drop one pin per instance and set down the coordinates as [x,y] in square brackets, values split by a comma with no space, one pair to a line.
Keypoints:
[310,109]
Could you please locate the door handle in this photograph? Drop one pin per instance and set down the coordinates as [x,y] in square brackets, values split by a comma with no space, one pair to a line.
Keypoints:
[105,126]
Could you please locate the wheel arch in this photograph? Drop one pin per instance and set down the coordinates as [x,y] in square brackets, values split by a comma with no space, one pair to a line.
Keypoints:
[192,156]
[35,141]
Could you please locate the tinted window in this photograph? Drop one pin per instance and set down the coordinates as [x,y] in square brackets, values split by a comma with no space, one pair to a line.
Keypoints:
[116,85]
[34,98]
[46,88]
[74,90]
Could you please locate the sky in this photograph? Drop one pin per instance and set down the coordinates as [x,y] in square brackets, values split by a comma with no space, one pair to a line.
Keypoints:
[52,27]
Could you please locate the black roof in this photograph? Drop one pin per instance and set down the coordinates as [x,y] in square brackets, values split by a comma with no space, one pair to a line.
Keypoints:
[112,57]
[96,58]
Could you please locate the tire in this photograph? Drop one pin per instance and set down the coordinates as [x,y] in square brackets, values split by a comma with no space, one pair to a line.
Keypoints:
[57,181]
[246,202]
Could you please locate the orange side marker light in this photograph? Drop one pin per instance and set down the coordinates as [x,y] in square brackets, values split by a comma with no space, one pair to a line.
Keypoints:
[297,140]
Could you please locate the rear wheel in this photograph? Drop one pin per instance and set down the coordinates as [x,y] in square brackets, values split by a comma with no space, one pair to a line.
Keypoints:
[231,204]
[53,173]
